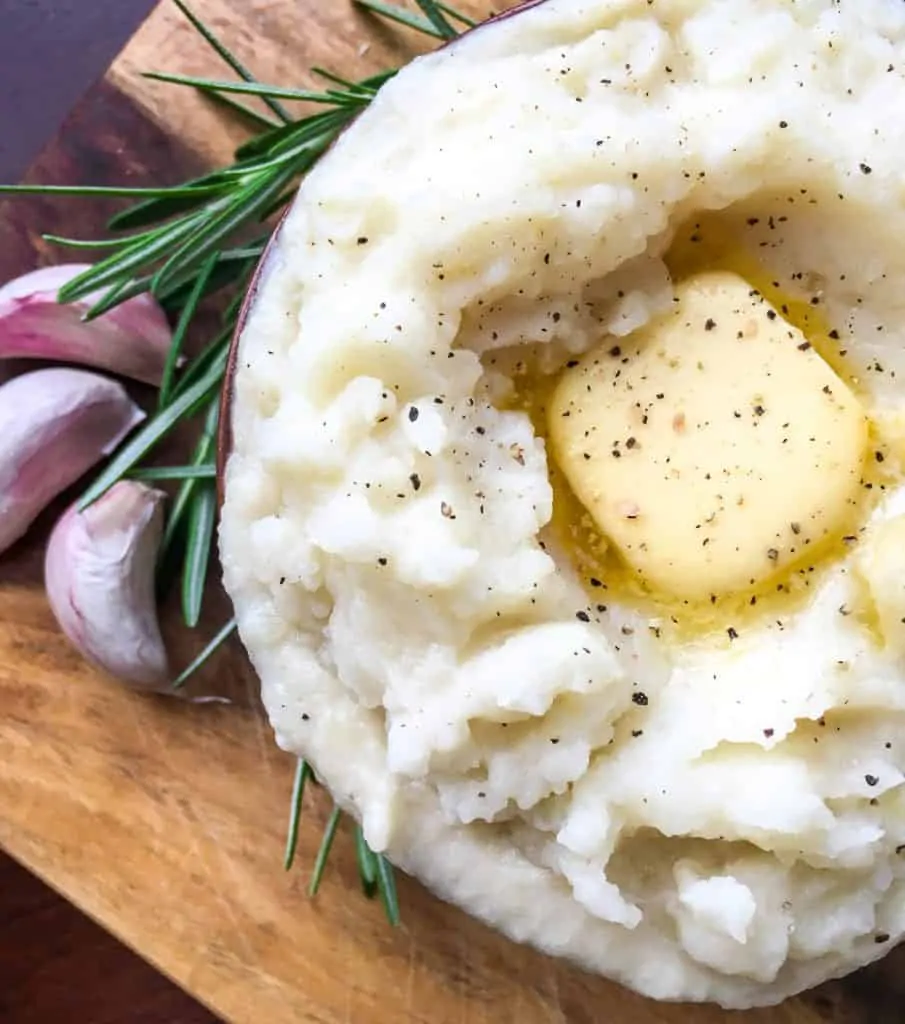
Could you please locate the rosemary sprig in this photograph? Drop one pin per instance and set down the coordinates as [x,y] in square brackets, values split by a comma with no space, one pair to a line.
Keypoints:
[183,244]
[218,87]
[218,640]
[226,55]
[401,16]
[185,318]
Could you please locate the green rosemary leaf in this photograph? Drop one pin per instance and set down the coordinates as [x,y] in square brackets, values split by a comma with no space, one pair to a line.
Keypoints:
[222,636]
[158,208]
[303,153]
[250,250]
[302,773]
[148,436]
[207,85]
[204,472]
[435,16]
[83,243]
[227,55]
[182,503]
[202,516]
[286,136]
[226,272]
[367,863]
[386,883]
[458,16]
[402,17]
[132,257]
[366,92]
[376,81]
[118,292]
[324,852]
[231,265]
[215,351]
[220,224]
[130,288]
[185,319]
[257,119]
[112,191]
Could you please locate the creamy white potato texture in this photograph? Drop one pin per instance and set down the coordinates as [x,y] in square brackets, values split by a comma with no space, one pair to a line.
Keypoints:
[521,674]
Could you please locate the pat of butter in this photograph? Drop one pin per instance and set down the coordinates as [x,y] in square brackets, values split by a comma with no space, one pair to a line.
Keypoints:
[712,447]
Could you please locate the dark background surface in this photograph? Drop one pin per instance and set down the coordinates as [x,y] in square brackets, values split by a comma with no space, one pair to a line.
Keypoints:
[50,52]
[56,966]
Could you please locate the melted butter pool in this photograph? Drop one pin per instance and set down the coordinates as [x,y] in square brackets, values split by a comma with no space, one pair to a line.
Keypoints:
[705,245]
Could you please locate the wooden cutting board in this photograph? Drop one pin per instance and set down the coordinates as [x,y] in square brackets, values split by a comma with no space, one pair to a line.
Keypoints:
[165,821]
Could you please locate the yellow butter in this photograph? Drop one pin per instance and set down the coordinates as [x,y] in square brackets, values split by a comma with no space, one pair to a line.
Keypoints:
[713,447]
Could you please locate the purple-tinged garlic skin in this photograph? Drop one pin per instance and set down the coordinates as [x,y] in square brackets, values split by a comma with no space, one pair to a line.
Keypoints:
[55,425]
[131,339]
[99,576]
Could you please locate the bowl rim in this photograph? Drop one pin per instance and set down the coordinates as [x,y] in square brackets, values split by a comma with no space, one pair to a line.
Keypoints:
[227,389]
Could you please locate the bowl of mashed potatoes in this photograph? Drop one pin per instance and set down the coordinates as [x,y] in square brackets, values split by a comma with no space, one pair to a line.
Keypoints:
[564,505]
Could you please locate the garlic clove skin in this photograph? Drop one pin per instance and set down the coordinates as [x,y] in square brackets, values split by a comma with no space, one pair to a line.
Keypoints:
[99,577]
[131,339]
[54,426]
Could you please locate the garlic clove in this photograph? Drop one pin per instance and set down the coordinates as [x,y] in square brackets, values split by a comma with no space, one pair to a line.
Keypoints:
[99,576]
[54,425]
[131,339]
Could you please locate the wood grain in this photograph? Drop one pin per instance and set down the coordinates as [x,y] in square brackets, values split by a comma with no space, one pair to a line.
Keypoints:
[57,965]
[165,821]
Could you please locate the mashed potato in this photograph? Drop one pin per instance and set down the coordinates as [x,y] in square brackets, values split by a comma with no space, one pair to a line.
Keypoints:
[704,799]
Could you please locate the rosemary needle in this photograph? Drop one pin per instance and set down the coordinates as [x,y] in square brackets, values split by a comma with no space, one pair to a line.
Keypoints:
[458,16]
[185,318]
[323,852]
[154,473]
[302,772]
[203,456]
[401,16]
[434,14]
[255,89]
[226,55]
[367,863]
[224,633]
[386,883]
[202,516]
